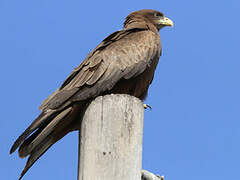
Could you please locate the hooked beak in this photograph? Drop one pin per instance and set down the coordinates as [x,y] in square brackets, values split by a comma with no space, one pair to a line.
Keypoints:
[166,22]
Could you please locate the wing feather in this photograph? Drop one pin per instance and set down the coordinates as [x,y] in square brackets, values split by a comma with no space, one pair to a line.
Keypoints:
[82,80]
[124,54]
[97,74]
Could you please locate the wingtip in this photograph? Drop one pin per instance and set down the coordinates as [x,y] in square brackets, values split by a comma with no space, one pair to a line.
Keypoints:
[13,148]
[19,140]
[16,144]
[11,151]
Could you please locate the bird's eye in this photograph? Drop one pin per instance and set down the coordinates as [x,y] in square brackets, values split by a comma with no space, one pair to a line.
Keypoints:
[158,14]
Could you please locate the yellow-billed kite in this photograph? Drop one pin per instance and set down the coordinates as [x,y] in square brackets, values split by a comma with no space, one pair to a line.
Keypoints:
[123,63]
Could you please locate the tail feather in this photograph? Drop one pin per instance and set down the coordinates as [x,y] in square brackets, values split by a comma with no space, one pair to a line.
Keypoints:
[39,150]
[41,120]
[57,134]
[39,136]
[47,129]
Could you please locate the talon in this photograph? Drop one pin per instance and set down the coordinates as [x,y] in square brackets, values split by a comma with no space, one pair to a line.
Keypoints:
[160,177]
[146,106]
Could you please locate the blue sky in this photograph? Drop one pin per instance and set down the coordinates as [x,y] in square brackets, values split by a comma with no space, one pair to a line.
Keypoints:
[193,130]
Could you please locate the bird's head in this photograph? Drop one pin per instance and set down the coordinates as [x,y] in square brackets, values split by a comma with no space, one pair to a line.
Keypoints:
[153,17]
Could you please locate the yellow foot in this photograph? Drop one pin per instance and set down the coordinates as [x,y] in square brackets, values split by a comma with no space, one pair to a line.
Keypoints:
[146,106]
[160,177]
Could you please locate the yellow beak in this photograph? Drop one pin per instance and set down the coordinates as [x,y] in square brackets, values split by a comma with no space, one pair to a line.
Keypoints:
[166,22]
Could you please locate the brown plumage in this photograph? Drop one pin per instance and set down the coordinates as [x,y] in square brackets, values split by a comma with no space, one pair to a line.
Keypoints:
[124,63]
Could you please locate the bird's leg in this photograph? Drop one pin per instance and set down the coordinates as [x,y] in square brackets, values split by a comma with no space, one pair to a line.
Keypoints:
[146,106]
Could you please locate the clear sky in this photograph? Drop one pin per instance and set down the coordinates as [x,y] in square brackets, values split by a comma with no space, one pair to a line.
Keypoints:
[193,130]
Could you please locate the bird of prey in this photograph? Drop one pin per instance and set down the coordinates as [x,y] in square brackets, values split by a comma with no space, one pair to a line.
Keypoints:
[123,63]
